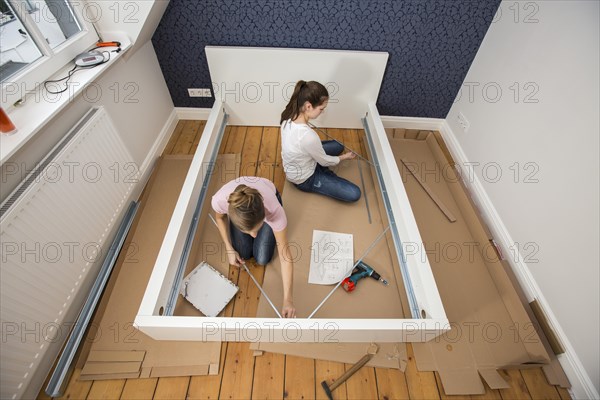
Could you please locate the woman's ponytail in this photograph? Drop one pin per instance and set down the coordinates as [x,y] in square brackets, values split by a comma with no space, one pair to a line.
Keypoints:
[246,208]
[313,92]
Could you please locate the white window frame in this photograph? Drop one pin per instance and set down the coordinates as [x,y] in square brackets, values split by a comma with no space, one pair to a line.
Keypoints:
[29,78]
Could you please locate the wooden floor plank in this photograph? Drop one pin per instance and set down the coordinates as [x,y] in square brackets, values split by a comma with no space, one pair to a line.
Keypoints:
[174,137]
[399,133]
[518,387]
[336,134]
[299,378]
[225,139]
[421,385]
[411,133]
[361,385]
[251,151]
[538,386]
[363,143]
[564,393]
[172,388]
[139,389]
[267,157]
[108,390]
[238,372]
[201,127]
[268,376]
[329,371]
[490,394]
[391,384]
[186,139]
[351,141]
[236,140]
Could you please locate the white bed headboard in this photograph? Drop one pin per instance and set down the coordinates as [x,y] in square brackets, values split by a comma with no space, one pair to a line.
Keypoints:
[257,82]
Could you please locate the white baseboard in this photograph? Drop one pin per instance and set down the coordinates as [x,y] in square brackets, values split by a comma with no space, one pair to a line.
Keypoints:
[582,386]
[192,113]
[157,148]
[426,124]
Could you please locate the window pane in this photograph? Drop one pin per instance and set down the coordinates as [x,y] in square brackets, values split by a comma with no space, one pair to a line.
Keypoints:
[54,18]
[17,49]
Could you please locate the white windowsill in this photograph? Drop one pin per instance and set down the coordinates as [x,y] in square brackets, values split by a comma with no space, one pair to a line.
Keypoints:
[41,106]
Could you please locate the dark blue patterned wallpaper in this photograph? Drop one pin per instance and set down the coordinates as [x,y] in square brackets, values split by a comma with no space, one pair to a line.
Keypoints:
[431,44]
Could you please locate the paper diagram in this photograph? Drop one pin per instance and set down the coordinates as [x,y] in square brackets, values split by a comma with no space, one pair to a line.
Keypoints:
[331,257]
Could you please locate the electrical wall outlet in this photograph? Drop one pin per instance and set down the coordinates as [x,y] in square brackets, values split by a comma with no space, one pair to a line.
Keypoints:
[199,92]
[463,122]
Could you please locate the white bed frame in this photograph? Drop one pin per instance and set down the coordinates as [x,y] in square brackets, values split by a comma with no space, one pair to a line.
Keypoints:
[428,315]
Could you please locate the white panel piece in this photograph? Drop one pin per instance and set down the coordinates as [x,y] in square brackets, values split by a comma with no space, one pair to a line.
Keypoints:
[332,257]
[166,265]
[257,83]
[55,233]
[208,290]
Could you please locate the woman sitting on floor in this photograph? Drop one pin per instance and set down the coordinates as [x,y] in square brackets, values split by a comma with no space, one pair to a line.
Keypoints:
[305,158]
[257,223]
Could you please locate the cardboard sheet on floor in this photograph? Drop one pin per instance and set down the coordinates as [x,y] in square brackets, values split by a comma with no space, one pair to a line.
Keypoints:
[115,332]
[490,326]
[208,246]
[371,299]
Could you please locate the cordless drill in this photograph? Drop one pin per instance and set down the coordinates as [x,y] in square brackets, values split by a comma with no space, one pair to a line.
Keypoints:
[362,270]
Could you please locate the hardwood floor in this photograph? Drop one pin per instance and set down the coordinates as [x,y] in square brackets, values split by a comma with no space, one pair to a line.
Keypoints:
[275,376]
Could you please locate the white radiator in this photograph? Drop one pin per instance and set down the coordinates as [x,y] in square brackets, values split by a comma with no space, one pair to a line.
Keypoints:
[54,230]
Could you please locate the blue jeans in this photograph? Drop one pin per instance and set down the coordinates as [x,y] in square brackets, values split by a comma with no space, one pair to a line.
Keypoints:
[324,181]
[261,247]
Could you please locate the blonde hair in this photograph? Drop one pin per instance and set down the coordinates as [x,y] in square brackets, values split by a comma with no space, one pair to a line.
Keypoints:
[246,208]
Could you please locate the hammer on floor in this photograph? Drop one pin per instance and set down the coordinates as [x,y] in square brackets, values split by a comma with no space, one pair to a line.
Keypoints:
[373,348]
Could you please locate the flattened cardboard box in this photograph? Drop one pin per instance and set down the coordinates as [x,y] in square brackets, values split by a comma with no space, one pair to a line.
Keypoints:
[115,331]
[371,299]
[490,326]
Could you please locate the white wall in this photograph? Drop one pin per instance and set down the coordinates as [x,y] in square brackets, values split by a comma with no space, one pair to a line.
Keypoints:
[553,124]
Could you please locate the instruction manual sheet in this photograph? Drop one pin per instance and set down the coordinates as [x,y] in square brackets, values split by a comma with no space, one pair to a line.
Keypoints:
[331,258]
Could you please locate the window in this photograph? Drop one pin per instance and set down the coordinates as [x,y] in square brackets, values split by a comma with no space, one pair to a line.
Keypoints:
[38,38]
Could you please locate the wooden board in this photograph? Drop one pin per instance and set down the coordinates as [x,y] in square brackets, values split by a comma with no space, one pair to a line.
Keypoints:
[391,384]
[139,389]
[518,387]
[299,378]
[268,376]
[186,139]
[361,385]
[172,388]
[421,385]
[538,386]
[108,390]
[174,137]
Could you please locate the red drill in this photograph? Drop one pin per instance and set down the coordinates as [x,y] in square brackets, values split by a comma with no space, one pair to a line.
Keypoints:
[362,270]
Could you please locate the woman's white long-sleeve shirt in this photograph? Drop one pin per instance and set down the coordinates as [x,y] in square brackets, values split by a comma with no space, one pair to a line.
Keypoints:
[301,150]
